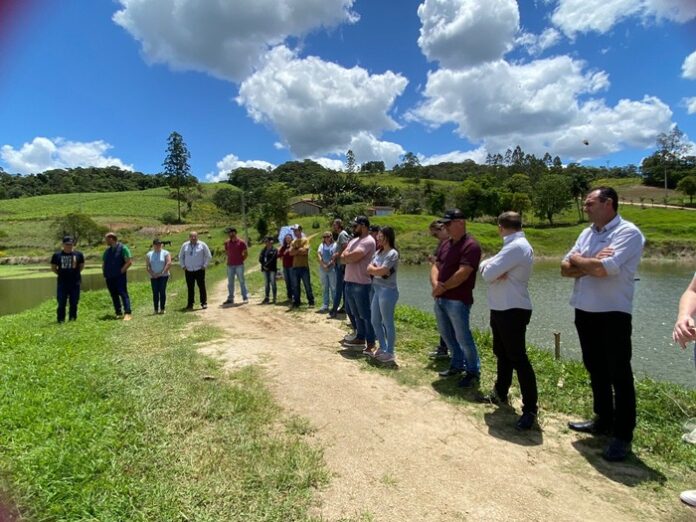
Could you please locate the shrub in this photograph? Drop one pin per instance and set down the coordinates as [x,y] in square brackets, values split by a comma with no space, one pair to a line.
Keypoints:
[169,218]
[81,227]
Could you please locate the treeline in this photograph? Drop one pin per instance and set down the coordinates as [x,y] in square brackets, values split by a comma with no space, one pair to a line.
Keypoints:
[87,179]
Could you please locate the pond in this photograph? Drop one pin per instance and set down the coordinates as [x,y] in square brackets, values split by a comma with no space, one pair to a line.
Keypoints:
[655,306]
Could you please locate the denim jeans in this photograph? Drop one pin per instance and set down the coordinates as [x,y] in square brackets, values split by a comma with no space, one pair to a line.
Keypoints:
[328,284]
[238,271]
[159,292]
[68,292]
[118,288]
[453,322]
[301,274]
[287,275]
[269,278]
[383,304]
[339,293]
[358,300]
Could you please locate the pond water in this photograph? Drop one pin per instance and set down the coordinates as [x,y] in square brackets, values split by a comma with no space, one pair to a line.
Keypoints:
[655,307]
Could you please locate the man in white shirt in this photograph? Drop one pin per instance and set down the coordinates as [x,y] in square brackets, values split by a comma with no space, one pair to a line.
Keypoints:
[603,263]
[507,274]
[194,257]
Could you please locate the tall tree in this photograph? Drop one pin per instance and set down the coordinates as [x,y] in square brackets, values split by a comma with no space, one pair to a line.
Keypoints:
[687,185]
[176,166]
[671,147]
[551,196]
[350,161]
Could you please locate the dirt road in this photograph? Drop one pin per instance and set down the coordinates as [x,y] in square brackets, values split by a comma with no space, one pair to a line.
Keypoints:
[398,453]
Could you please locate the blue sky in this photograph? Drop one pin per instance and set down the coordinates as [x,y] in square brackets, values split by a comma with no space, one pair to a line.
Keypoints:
[260,82]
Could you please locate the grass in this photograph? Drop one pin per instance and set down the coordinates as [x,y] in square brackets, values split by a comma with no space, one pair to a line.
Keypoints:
[105,420]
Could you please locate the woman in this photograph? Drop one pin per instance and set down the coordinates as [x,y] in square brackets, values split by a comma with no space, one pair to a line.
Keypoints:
[158,262]
[327,270]
[284,254]
[382,268]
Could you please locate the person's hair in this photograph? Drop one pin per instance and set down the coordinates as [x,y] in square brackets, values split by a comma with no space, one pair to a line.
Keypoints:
[298,227]
[388,233]
[112,236]
[339,222]
[231,229]
[287,236]
[606,193]
[435,225]
[510,220]
[327,234]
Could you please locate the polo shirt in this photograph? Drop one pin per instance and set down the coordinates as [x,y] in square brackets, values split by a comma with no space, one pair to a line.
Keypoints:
[357,272]
[450,256]
[515,260]
[234,251]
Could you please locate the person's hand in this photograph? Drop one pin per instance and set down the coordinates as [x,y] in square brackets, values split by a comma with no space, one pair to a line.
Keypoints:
[605,252]
[439,289]
[684,331]
[431,259]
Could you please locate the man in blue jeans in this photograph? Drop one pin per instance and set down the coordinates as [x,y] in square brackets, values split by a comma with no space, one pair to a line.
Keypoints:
[115,263]
[452,277]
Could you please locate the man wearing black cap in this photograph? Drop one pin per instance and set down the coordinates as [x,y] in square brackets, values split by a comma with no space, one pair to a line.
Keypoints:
[452,277]
[68,264]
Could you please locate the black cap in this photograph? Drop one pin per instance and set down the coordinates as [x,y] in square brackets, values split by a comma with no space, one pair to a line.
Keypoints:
[361,220]
[231,229]
[374,228]
[451,214]
[156,242]
[270,238]
[68,240]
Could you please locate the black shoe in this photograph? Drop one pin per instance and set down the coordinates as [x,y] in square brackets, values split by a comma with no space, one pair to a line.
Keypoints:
[450,372]
[341,311]
[265,301]
[493,398]
[204,306]
[438,355]
[526,421]
[227,302]
[189,308]
[595,426]
[470,380]
[617,450]
[332,314]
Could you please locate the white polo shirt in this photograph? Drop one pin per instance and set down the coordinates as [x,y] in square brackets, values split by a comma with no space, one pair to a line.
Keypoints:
[613,293]
[515,259]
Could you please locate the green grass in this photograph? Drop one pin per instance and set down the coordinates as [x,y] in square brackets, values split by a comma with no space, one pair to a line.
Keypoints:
[105,420]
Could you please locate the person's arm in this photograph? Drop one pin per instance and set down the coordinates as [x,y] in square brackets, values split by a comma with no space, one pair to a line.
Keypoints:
[461,275]
[684,328]
[567,269]
[148,266]
[54,266]
[127,258]
[167,263]
[304,249]
[321,261]
[207,256]
[499,265]
[608,262]
[81,263]
[182,257]
[355,255]
[245,253]
[434,274]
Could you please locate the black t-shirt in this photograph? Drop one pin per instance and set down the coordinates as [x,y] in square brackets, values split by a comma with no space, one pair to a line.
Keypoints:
[68,265]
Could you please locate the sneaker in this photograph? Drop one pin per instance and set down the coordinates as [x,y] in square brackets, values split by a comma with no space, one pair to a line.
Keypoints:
[384,357]
[332,314]
[526,421]
[370,351]
[470,380]
[265,301]
[350,336]
[449,372]
[162,312]
[245,300]
[688,497]
[617,450]
[127,317]
[354,342]
[204,306]
[438,355]
[493,398]
[341,311]
[322,310]
[228,302]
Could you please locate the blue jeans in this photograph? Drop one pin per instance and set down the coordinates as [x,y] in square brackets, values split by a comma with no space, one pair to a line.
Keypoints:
[269,277]
[68,292]
[159,292]
[358,300]
[118,288]
[453,322]
[232,271]
[383,304]
[328,284]
[301,274]
[287,275]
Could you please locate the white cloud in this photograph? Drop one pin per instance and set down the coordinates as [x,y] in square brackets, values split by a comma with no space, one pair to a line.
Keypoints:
[329,163]
[690,105]
[689,67]
[318,107]
[583,16]
[456,156]
[231,162]
[537,44]
[223,38]
[368,148]
[58,153]
[459,33]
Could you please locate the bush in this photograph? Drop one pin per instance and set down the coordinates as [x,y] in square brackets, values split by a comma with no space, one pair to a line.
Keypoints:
[316,223]
[81,227]
[169,218]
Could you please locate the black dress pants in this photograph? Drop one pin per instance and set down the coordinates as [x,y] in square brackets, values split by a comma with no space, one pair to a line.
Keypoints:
[196,277]
[509,346]
[605,339]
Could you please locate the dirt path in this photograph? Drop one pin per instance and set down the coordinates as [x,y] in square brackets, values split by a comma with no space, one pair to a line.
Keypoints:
[398,453]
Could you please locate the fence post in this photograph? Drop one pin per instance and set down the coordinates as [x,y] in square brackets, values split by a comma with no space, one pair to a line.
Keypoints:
[557,344]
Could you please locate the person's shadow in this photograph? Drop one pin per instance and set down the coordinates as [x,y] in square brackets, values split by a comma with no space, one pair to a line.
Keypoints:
[631,472]
[501,425]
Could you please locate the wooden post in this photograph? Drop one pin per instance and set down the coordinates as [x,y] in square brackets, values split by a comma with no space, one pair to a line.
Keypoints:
[557,344]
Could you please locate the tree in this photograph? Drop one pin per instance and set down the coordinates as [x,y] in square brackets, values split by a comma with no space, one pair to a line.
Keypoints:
[228,200]
[579,186]
[372,166]
[350,161]
[275,203]
[176,167]
[671,147]
[468,199]
[81,227]
[551,196]
[687,185]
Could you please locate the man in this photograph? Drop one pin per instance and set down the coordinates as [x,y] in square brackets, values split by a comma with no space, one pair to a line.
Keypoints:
[357,256]
[507,274]
[194,258]
[300,268]
[268,258]
[68,265]
[438,231]
[684,332]
[603,263]
[236,250]
[452,278]
[342,239]
[115,263]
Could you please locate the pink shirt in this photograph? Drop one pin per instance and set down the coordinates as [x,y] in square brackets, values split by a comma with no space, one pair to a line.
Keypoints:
[357,272]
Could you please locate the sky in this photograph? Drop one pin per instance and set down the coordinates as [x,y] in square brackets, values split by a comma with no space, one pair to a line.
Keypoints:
[260,82]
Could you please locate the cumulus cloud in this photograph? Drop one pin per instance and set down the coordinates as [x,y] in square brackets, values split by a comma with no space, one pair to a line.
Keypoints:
[223,38]
[329,163]
[537,44]
[456,156]
[367,147]
[690,105]
[58,153]
[317,107]
[689,67]
[583,16]
[231,162]
[459,33]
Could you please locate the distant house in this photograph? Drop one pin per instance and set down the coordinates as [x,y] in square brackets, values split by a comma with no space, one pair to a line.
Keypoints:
[306,207]
[380,211]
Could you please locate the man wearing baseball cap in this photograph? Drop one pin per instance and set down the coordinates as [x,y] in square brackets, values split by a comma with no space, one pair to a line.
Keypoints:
[68,264]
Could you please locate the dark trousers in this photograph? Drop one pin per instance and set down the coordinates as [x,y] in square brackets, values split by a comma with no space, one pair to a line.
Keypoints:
[197,277]
[118,288]
[509,346]
[287,275]
[605,339]
[68,293]
[301,274]
[159,292]
[339,294]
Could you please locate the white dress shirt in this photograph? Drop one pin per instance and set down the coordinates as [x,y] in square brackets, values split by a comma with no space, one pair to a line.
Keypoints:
[613,293]
[194,257]
[514,260]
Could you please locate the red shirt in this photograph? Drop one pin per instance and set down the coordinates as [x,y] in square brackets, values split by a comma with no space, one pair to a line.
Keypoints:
[234,251]
[287,258]
[450,256]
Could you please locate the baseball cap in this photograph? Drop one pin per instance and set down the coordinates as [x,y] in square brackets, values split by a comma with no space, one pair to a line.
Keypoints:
[156,242]
[451,214]
[361,220]
[68,240]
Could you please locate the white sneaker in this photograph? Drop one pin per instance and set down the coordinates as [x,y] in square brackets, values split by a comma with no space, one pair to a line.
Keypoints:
[351,336]
[689,497]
